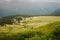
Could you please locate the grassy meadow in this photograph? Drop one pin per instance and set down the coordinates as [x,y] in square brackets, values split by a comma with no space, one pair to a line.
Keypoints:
[33,28]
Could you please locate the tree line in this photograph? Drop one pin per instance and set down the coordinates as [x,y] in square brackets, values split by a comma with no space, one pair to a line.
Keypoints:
[8,20]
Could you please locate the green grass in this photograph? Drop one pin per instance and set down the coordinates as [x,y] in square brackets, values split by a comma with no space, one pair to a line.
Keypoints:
[47,32]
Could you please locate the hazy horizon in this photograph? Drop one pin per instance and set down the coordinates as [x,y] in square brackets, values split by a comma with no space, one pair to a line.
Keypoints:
[30,7]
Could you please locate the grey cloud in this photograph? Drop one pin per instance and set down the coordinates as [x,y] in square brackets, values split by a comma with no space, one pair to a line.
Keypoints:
[27,5]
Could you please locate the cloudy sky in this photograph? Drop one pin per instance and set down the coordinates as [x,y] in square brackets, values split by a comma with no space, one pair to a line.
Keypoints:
[23,4]
[31,5]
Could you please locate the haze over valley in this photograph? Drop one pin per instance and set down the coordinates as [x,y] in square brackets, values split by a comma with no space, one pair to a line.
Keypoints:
[33,7]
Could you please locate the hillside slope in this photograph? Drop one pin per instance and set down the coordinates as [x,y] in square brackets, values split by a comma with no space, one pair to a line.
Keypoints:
[47,32]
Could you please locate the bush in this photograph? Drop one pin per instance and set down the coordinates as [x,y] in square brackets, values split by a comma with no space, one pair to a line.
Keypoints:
[56,33]
[7,20]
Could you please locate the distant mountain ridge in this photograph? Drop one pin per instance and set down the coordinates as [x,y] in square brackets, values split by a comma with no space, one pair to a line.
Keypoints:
[56,13]
[30,12]
[46,8]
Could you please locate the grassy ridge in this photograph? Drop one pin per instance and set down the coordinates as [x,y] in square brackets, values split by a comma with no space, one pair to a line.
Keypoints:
[47,32]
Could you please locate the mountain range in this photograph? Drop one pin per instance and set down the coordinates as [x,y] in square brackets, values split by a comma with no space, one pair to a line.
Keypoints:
[35,9]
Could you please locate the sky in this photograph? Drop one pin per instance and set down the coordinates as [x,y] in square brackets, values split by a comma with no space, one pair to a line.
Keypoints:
[22,4]
[30,5]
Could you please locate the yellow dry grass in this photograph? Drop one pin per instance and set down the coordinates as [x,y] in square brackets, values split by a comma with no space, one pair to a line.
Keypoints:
[31,22]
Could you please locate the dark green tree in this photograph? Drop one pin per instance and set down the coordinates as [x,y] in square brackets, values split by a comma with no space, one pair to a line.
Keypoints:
[18,19]
[7,20]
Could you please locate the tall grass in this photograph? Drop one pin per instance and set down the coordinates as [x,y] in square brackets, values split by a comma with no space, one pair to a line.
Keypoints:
[47,32]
